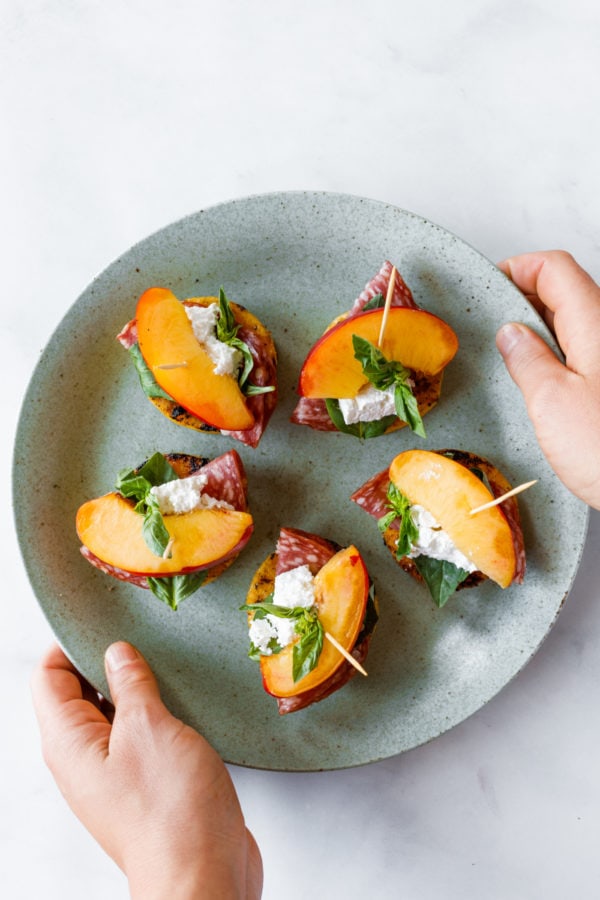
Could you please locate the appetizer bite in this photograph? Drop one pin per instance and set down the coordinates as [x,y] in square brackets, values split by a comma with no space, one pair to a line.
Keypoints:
[377,367]
[171,525]
[429,508]
[311,612]
[205,363]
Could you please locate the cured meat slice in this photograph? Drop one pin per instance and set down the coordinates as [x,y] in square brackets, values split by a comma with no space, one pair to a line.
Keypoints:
[298,548]
[372,496]
[128,335]
[264,373]
[312,412]
[402,295]
[121,574]
[227,480]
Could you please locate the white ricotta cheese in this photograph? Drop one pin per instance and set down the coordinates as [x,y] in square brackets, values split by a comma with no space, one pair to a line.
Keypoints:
[262,632]
[434,542]
[185,495]
[227,359]
[293,588]
[369,405]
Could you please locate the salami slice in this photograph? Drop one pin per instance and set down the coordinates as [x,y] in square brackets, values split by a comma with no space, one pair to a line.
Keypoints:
[227,480]
[312,412]
[298,548]
[121,574]
[263,374]
[402,295]
[128,335]
[372,496]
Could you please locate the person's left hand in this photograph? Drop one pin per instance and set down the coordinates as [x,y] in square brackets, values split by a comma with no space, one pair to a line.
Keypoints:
[150,789]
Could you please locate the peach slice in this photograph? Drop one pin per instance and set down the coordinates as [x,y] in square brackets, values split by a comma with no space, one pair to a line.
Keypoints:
[111,529]
[416,338]
[166,337]
[342,590]
[449,491]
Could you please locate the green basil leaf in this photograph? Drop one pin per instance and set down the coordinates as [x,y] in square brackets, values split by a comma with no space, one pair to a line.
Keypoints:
[154,532]
[441,577]
[173,589]
[407,409]
[361,430]
[157,470]
[273,609]
[306,652]
[148,382]
[131,484]
[227,328]
[408,533]
[382,373]
[376,302]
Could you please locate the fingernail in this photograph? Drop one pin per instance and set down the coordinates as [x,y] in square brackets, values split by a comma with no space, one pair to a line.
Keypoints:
[119,654]
[508,337]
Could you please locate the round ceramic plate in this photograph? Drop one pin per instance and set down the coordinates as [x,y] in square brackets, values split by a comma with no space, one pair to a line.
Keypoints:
[296,260]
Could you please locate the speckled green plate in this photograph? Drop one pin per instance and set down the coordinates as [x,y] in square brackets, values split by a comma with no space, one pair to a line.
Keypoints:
[296,260]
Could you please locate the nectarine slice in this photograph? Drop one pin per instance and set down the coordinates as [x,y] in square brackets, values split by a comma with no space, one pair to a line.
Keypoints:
[112,530]
[416,338]
[449,491]
[341,591]
[166,337]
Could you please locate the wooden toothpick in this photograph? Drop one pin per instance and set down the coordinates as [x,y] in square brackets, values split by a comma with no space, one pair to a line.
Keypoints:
[345,653]
[167,551]
[497,500]
[179,365]
[386,308]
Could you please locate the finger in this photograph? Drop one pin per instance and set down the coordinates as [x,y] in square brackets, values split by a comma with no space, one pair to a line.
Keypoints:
[131,681]
[570,301]
[546,384]
[58,696]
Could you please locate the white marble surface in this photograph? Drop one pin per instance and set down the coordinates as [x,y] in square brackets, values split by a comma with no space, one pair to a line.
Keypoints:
[119,117]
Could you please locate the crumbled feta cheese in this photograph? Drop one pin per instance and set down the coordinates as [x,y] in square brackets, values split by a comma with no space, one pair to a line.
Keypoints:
[227,359]
[369,405]
[185,495]
[293,588]
[434,542]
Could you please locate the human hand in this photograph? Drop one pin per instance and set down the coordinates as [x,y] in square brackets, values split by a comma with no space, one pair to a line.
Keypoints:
[563,400]
[151,790]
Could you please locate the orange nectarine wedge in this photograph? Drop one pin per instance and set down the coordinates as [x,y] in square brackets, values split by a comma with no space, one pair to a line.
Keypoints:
[166,337]
[341,591]
[449,491]
[416,338]
[111,529]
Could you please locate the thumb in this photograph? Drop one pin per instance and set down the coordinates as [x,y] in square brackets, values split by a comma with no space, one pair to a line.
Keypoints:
[530,362]
[130,678]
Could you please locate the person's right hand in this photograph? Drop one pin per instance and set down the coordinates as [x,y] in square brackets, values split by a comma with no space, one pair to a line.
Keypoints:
[563,400]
